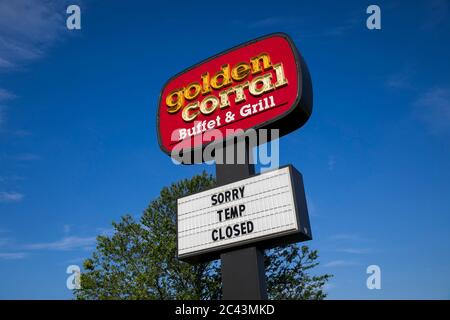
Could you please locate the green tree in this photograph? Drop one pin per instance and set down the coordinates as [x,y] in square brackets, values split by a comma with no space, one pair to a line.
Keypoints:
[138,261]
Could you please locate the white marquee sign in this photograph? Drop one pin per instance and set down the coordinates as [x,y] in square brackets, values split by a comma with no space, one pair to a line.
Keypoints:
[263,206]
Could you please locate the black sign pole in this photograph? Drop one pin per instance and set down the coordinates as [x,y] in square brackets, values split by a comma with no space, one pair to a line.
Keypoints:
[243,272]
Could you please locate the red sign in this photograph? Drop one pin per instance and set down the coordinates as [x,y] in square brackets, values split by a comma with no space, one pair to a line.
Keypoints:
[263,83]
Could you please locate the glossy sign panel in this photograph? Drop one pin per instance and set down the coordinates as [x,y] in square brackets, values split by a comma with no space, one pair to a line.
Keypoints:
[261,84]
[260,207]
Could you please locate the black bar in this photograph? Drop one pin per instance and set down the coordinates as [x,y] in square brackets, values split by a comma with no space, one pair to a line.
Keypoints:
[169,309]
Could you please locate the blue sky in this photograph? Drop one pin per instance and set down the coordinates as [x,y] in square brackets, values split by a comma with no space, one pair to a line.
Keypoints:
[78,144]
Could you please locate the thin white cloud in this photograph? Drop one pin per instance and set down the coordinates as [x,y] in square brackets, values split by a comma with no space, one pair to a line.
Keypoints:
[4,241]
[28,28]
[331,162]
[433,109]
[355,250]
[6,95]
[342,29]
[436,14]
[13,178]
[400,80]
[344,236]
[78,260]
[2,115]
[5,64]
[329,286]
[267,22]
[105,231]
[271,22]
[334,31]
[27,157]
[10,197]
[12,255]
[67,228]
[339,263]
[312,208]
[66,243]
[22,133]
